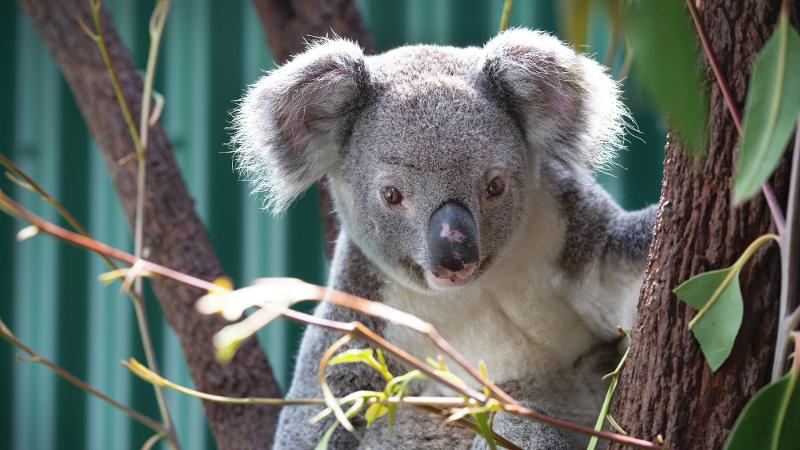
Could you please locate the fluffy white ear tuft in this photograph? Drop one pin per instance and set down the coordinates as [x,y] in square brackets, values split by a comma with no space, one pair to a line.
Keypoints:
[567,104]
[290,125]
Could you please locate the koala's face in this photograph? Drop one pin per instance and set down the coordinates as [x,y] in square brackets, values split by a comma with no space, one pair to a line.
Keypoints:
[430,150]
[433,179]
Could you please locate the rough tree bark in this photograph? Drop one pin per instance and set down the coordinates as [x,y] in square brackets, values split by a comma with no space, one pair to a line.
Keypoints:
[667,388]
[288,24]
[173,233]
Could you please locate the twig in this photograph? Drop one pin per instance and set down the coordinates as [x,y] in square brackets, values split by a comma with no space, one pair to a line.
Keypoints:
[505,18]
[612,387]
[355,329]
[7,335]
[158,20]
[136,297]
[615,9]
[766,188]
[790,266]
[99,37]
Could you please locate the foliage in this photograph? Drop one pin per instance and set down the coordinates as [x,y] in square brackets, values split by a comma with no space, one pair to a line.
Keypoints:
[719,289]
[668,68]
[773,104]
[771,420]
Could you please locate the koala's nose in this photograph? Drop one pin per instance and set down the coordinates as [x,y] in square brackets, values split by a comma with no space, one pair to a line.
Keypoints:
[452,242]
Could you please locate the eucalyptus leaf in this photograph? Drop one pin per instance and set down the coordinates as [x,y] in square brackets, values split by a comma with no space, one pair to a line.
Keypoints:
[773,104]
[771,420]
[375,412]
[717,330]
[355,355]
[665,63]
[326,438]
[482,419]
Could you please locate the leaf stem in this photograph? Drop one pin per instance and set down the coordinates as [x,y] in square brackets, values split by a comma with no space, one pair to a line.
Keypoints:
[732,272]
[612,387]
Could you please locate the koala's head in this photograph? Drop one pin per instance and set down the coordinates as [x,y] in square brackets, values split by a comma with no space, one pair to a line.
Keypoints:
[431,152]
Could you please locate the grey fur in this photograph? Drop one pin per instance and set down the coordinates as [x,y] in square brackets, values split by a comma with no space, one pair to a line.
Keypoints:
[559,261]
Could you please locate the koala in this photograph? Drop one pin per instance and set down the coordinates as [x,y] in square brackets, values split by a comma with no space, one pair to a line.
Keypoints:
[462,178]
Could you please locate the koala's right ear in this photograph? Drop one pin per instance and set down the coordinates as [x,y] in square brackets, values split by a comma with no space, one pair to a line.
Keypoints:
[291,124]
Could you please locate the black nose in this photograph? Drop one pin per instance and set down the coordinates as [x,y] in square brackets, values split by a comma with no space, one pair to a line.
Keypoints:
[452,238]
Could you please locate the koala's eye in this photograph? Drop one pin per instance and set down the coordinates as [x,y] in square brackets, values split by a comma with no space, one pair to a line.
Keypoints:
[495,187]
[392,195]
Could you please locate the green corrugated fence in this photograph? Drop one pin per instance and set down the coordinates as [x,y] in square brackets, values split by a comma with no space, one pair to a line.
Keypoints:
[50,294]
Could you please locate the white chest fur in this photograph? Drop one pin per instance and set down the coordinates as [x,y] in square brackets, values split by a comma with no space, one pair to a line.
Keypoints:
[516,317]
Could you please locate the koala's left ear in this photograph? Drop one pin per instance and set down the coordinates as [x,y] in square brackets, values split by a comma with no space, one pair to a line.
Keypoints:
[567,104]
[290,126]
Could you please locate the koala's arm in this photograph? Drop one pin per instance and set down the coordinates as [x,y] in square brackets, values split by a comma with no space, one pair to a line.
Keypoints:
[605,249]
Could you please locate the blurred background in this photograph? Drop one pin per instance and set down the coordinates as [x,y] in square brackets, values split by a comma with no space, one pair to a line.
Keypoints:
[51,298]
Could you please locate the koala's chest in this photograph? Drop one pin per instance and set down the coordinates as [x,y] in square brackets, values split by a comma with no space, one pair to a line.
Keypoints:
[520,326]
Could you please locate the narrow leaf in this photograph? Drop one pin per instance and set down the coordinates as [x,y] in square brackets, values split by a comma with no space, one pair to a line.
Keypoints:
[665,62]
[773,104]
[326,438]
[354,355]
[771,420]
[482,419]
[375,412]
[717,330]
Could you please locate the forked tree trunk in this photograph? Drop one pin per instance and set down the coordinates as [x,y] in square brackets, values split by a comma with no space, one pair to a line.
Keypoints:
[173,233]
[667,387]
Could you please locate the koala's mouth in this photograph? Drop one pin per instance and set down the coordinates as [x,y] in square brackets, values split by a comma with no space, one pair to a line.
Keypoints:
[444,278]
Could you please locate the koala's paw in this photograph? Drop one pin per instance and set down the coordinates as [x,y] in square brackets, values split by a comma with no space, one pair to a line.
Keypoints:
[525,433]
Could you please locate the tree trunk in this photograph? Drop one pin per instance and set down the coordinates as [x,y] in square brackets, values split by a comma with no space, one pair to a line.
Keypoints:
[173,234]
[667,387]
[289,23]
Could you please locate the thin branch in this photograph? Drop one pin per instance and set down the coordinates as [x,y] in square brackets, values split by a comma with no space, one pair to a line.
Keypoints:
[95,5]
[505,18]
[158,20]
[7,335]
[766,189]
[136,297]
[615,9]
[790,265]
[354,329]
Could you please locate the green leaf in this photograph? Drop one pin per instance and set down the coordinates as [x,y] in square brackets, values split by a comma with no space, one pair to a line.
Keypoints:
[717,330]
[482,419]
[355,355]
[326,438]
[773,104]
[665,62]
[398,387]
[375,412]
[771,420]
